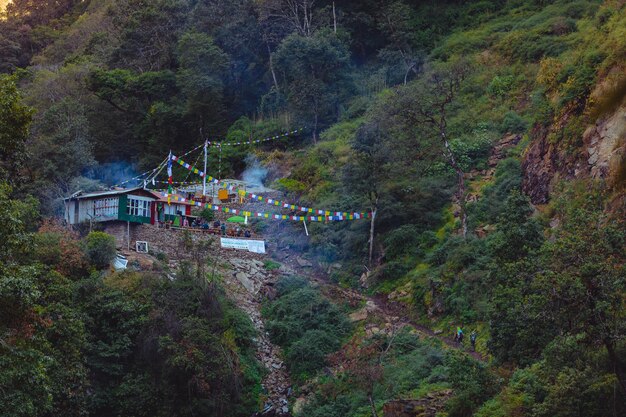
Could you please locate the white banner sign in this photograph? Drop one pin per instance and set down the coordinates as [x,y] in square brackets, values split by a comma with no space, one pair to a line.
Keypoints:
[254,246]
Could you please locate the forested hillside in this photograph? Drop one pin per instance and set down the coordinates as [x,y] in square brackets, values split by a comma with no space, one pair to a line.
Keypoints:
[486,138]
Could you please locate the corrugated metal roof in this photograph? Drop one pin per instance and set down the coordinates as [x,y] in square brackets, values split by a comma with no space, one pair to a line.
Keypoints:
[159,196]
[80,196]
[242,185]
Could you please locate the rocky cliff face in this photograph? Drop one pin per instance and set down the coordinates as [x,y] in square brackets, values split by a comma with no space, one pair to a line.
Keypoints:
[602,157]
[606,147]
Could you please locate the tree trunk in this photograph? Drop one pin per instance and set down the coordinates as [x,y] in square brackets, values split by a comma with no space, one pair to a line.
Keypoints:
[618,367]
[334,18]
[269,52]
[372,230]
[460,181]
[315,122]
[461,184]
[374,413]
[410,67]
[307,20]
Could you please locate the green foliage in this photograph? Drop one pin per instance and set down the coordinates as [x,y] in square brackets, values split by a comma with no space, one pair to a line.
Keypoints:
[409,364]
[41,333]
[132,344]
[402,241]
[492,203]
[157,346]
[575,387]
[306,325]
[291,186]
[271,265]
[202,67]
[308,353]
[412,368]
[207,215]
[314,70]
[290,284]
[15,117]
[62,130]
[549,296]
[517,235]
[513,123]
[472,382]
[500,86]
[392,270]
[100,249]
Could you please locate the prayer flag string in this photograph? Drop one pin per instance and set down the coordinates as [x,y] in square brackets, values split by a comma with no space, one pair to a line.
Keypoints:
[261,215]
[277,203]
[250,142]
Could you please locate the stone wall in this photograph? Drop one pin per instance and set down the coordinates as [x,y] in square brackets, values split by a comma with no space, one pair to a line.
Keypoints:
[159,239]
[168,241]
[119,230]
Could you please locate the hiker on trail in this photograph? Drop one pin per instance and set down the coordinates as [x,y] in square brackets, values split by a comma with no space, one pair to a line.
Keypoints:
[473,336]
[459,335]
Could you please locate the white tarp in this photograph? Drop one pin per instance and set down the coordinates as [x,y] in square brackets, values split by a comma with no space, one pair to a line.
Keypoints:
[120,262]
[254,246]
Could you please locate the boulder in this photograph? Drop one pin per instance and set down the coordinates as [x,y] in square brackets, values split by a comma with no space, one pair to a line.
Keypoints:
[304,263]
[245,280]
[299,405]
[359,315]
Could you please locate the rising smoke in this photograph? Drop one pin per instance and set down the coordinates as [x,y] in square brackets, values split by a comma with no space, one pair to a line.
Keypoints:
[114,173]
[255,173]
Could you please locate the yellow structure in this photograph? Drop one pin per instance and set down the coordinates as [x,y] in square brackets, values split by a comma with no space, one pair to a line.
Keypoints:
[223,195]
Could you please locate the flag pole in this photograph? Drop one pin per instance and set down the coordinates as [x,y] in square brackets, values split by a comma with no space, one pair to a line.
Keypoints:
[206,145]
[170,181]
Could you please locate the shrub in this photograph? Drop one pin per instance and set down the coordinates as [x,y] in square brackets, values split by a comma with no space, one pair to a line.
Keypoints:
[391,271]
[500,86]
[472,382]
[305,324]
[290,284]
[402,241]
[207,215]
[271,265]
[513,123]
[291,185]
[540,110]
[309,352]
[508,177]
[60,249]
[100,249]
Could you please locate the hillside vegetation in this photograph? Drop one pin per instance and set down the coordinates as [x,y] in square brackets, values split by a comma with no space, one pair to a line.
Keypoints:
[488,138]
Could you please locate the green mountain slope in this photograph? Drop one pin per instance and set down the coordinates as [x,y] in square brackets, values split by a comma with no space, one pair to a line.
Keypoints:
[489,138]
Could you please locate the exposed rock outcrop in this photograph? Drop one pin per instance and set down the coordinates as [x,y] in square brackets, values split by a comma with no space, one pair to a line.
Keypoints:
[429,406]
[501,149]
[606,147]
[602,156]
